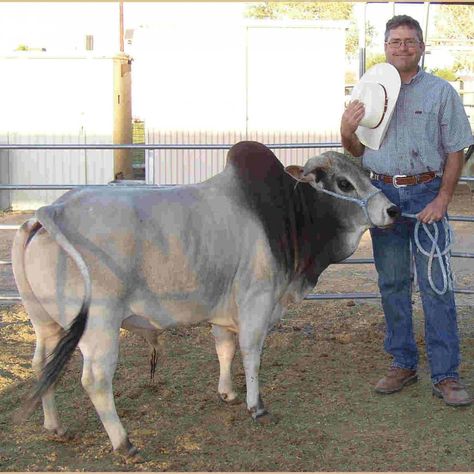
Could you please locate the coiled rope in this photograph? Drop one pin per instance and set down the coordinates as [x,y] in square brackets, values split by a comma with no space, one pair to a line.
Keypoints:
[435,253]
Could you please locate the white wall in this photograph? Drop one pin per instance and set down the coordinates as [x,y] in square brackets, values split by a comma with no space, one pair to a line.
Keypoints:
[42,93]
[201,74]
[59,27]
[232,80]
[295,75]
[49,100]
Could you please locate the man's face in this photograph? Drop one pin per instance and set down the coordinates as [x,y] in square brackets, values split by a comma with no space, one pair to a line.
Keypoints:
[406,57]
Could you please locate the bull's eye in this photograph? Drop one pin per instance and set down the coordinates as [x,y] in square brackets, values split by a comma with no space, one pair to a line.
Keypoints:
[344,185]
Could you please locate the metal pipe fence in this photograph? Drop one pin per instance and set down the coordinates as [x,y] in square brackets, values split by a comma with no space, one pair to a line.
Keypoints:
[65,146]
[311,296]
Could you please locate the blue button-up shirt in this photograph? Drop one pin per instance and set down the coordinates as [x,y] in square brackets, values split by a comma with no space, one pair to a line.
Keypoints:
[429,121]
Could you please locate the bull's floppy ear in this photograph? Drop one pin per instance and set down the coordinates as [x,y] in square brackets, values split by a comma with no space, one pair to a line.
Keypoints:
[297,173]
[318,166]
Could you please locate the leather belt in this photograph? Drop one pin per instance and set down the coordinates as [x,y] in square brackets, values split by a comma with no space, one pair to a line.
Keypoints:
[401,180]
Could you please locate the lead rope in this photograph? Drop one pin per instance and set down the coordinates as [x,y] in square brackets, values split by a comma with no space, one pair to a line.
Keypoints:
[449,240]
[443,263]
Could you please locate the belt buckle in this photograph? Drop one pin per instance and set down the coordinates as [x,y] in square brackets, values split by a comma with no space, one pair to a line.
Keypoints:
[394,179]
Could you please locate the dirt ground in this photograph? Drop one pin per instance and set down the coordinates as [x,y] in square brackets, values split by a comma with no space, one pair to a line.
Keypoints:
[318,370]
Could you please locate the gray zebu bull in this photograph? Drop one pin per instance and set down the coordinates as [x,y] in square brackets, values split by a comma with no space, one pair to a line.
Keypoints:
[234,250]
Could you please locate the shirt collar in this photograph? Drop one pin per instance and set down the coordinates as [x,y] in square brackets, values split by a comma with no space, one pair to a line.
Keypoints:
[416,78]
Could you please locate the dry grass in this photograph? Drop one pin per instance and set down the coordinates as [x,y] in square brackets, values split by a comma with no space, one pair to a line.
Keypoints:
[317,373]
[318,369]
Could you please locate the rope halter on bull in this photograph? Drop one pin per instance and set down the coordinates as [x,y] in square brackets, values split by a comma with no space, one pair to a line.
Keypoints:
[433,254]
[363,203]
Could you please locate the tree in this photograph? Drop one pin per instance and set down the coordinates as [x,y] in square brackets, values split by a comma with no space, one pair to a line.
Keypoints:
[313,11]
[301,10]
[455,24]
[445,73]
[373,59]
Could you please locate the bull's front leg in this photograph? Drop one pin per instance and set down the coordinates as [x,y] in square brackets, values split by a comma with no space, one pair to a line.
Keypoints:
[253,331]
[251,354]
[225,348]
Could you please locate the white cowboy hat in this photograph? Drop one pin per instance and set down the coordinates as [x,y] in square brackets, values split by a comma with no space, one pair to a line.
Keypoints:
[378,89]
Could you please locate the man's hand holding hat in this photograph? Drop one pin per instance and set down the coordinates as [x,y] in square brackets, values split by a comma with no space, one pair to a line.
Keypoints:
[378,90]
[351,117]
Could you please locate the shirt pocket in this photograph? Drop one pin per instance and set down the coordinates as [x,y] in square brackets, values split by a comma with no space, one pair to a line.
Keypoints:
[423,126]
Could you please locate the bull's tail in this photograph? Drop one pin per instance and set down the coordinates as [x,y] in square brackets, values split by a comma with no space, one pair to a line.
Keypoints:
[65,347]
[57,361]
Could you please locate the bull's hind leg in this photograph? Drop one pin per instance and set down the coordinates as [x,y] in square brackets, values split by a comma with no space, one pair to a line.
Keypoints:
[48,332]
[100,346]
[47,337]
[225,348]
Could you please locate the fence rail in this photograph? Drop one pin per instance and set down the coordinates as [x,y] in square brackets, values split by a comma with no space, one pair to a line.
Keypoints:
[65,146]
[312,296]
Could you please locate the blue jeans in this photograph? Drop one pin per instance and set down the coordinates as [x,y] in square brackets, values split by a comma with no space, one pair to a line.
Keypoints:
[393,258]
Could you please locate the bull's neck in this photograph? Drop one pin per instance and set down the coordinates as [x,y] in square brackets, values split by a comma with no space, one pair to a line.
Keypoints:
[308,238]
[316,235]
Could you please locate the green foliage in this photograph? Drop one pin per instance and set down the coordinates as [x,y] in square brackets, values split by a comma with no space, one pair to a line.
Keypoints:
[373,59]
[350,77]
[464,61]
[313,11]
[352,41]
[445,73]
[301,10]
[455,23]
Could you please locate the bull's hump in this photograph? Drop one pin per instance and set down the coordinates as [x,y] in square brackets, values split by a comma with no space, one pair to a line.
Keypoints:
[254,161]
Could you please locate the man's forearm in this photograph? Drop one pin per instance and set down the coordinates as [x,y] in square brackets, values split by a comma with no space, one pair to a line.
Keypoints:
[452,172]
[352,144]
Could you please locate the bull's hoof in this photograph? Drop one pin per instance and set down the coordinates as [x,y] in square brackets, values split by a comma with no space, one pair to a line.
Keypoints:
[127,450]
[230,399]
[265,418]
[60,435]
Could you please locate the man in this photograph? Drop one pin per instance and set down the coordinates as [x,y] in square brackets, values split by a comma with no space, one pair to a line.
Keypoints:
[424,142]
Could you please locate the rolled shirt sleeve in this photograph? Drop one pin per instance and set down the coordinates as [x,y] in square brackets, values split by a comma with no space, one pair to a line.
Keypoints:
[455,130]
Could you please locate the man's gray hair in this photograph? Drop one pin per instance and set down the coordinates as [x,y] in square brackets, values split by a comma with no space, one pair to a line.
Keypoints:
[403,20]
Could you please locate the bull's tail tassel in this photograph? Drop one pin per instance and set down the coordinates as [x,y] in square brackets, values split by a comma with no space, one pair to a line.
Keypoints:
[57,361]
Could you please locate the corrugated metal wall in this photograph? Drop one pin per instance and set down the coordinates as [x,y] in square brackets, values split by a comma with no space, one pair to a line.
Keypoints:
[5,201]
[194,166]
[52,167]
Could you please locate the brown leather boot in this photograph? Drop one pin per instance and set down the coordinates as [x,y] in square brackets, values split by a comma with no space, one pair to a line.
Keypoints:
[395,380]
[452,392]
